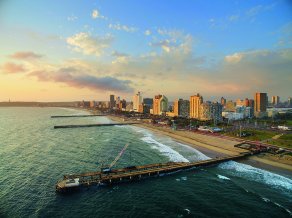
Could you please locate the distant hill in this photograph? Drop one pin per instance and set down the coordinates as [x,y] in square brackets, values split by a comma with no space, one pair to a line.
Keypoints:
[38,104]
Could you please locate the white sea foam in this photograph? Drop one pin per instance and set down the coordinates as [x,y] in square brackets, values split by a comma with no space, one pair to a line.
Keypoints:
[259,175]
[266,199]
[183,152]
[195,154]
[184,178]
[119,126]
[287,210]
[165,150]
[222,177]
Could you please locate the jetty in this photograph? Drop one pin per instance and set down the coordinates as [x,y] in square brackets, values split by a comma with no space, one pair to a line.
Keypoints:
[80,115]
[107,176]
[94,125]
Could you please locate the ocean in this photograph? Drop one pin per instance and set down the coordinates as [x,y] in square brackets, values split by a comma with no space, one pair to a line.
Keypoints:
[34,156]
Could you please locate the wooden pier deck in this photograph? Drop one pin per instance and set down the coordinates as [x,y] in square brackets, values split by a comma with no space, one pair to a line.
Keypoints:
[137,172]
[94,125]
[81,115]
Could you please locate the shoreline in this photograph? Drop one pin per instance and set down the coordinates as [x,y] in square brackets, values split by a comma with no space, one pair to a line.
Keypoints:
[217,147]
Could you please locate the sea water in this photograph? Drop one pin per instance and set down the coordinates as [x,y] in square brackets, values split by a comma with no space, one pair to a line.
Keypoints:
[34,156]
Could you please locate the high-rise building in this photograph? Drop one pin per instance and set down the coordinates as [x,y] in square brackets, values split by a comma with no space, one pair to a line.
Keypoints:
[92,104]
[195,102]
[160,104]
[123,104]
[112,101]
[239,102]
[148,101]
[246,102]
[137,100]
[118,103]
[251,105]
[289,102]
[129,106]
[223,101]
[230,106]
[216,111]
[205,111]
[181,108]
[211,111]
[260,102]
[275,100]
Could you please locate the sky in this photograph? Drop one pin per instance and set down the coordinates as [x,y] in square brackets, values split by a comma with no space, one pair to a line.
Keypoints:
[75,50]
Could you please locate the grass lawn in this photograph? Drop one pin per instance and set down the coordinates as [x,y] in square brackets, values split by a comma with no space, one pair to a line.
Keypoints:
[284,141]
[289,122]
[256,135]
[259,135]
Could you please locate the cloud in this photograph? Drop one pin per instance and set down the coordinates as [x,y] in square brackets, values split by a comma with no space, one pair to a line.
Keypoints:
[69,77]
[250,71]
[72,18]
[164,44]
[25,55]
[121,58]
[122,27]
[175,42]
[96,14]
[234,58]
[147,32]
[285,32]
[89,45]
[11,68]
[233,18]
[237,57]
[254,10]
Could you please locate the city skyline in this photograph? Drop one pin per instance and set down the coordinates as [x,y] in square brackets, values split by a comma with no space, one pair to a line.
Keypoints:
[89,50]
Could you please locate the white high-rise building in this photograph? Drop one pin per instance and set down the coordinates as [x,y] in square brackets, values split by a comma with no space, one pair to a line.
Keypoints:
[137,100]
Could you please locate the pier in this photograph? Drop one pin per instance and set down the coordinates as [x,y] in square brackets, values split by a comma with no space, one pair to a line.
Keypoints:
[94,125]
[84,115]
[134,173]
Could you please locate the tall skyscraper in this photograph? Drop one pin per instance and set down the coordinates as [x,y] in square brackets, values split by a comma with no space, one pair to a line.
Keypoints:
[205,111]
[230,106]
[181,108]
[223,101]
[112,101]
[246,102]
[275,100]
[160,104]
[148,101]
[195,102]
[239,102]
[216,111]
[260,104]
[137,100]
[251,105]
[117,103]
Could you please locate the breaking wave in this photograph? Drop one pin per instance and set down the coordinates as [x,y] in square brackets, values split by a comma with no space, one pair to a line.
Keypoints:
[259,175]
[222,177]
[165,150]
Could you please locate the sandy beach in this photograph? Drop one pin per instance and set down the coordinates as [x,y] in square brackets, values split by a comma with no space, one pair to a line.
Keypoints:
[217,147]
